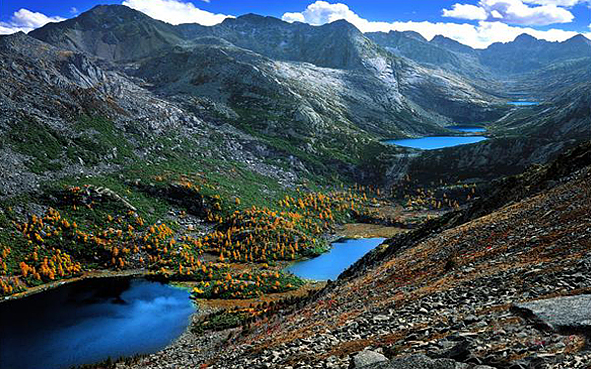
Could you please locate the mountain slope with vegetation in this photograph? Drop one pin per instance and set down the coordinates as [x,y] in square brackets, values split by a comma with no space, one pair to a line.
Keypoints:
[214,156]
[455,292]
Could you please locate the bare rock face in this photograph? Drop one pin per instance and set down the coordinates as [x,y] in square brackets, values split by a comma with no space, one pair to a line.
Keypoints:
[567,315]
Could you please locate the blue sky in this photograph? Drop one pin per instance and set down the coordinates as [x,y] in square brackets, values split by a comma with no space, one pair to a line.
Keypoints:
[474,22]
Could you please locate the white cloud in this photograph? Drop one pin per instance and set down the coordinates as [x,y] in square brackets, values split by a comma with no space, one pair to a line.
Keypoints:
[566,3]
[479,36]
[513,12]
[74,10]
[294,17]
[26,20]
[175,11]
[322,12]
[466,11]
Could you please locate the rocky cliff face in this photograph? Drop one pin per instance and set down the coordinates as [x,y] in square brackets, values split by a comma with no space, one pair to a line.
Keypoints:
[440,52]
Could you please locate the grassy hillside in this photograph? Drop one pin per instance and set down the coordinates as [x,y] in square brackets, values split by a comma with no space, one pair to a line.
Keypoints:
[449,289]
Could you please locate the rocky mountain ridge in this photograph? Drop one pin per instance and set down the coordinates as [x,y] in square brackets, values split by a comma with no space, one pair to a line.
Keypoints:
[338,48]
[324,107]
[292,102]
[499,60]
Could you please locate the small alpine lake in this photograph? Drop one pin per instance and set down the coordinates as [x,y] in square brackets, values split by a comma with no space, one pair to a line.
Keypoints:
[329,265]
[435,142]
[89,321]
[523,103]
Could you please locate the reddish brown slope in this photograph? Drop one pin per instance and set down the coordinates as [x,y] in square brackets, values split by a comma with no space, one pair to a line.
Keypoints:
[454,288]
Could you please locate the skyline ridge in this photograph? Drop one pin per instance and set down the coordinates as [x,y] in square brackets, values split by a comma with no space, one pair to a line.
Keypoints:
[428,20]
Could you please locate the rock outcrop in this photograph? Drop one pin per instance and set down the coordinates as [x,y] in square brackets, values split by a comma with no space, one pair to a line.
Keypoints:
[565,315]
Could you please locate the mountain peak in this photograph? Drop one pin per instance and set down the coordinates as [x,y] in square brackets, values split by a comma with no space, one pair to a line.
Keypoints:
[579,38]
[255,19]
[251,17]
[524,37]
[342,25]
[451,44]
[114,10]
[118,33]
[413,34]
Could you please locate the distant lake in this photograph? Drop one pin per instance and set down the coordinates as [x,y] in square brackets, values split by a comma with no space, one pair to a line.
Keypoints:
[435,142]
[89,321]
[467,128]
[523,103]
[334,262]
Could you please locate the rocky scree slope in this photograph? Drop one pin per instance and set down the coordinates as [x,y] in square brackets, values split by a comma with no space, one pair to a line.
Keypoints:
[64,115]
[455,293]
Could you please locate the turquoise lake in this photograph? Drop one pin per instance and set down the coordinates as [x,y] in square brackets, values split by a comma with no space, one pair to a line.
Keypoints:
[522,103]
[472,129]
[90,321]
[435,142]
[329,265]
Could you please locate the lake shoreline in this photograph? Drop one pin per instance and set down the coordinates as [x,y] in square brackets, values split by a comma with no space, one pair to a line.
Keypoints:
[202,308]
[88,275]
[106,315]
[344,231]
[437,142]
[208,306]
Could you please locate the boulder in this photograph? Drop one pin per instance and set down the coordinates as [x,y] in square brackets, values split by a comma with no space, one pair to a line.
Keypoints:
[368,359]
[565,315]
[457,350]
[419,362]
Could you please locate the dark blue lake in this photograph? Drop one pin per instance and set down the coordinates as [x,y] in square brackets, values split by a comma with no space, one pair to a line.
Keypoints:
[329,265]
[523,103]
[435,142]
[467,128]
[89,321]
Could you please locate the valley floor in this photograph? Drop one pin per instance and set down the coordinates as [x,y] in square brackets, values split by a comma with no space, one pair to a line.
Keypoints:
[453,296]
